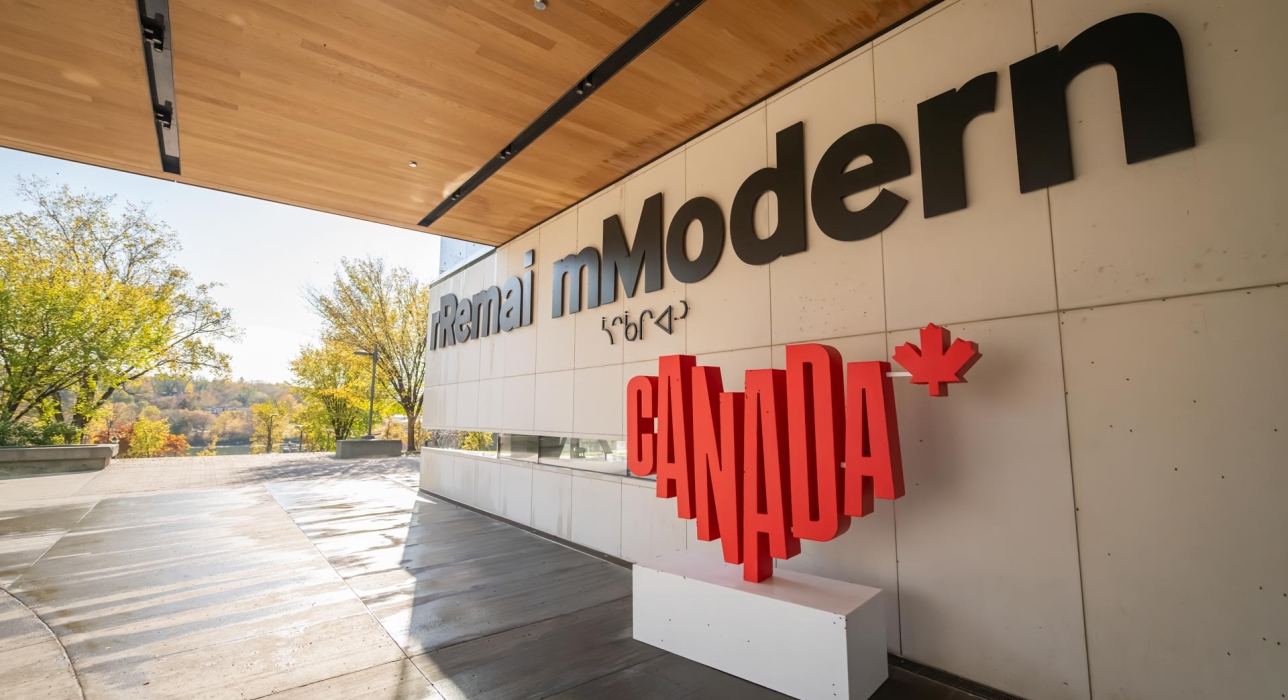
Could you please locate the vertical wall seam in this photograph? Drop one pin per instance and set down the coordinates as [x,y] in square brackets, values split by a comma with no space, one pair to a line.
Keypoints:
[1064,384]
[885,324]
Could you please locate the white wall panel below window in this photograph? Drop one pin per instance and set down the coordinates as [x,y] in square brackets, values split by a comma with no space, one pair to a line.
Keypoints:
[516,493]
[487,485]
[552,501]
[649,526]
[597,512]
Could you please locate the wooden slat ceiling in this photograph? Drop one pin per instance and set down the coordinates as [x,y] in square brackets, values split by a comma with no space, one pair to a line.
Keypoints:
[323,103]
[725,56]
[73,83]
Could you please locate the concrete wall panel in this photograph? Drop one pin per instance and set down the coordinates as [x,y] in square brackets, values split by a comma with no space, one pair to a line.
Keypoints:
[992,259]
[988,554]
[1178,414]
[491,411]
[552,501]
[807,287]
[516,493]
[556,337]
[597,512]
[730,308]
[555,397]
[665,177]
[1212,217]
[520,400]
[593,348]
[649,526]
[599,403]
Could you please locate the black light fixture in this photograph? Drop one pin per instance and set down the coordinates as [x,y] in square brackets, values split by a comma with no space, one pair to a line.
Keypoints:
[156,33]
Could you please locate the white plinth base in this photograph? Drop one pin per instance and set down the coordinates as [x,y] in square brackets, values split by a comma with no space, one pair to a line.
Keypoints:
[801,635]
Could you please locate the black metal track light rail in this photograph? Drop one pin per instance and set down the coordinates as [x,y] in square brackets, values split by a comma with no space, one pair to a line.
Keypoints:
[638,43]
[154,22]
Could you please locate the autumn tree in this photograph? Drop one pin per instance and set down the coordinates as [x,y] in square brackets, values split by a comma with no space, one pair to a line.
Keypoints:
[370,306]
[62,324]
[90,300]
[232,427]
[271,420]
[334,384]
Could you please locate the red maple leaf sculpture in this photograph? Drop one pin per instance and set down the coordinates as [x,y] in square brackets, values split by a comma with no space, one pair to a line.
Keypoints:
[937,363]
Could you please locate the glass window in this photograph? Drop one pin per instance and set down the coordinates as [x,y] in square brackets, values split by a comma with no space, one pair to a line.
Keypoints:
[520,447]
[479,444]
[604,456]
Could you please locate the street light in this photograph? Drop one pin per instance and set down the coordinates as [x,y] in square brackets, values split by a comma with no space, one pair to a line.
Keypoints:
[371,405]
[300,429]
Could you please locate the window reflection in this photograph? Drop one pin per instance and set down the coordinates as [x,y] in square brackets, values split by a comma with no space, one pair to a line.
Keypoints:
[520,447]
[587,454]
[604,456]
[479,444]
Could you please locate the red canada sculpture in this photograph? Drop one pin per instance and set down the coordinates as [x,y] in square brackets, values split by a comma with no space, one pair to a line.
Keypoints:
[793,457]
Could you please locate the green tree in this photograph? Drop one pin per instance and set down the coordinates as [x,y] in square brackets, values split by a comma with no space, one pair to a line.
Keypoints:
[271,420]
[333,382]
[149,438]
[91,301]
[371,306]
[233,427]
[62,324]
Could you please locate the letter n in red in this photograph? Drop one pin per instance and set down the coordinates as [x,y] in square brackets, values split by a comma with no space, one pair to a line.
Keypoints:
[816,419]
[766,503]
[641,409]
[675,432]
[717,439]
[873,463]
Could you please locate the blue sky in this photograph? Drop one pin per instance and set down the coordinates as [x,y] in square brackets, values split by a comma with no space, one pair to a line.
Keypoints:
[264,253]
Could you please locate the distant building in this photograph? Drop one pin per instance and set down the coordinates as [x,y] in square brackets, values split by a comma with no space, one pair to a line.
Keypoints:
[452,253]
[224,409]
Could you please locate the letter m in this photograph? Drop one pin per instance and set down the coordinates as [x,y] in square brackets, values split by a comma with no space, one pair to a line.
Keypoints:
[572,267]
[1146,53]
[622,262]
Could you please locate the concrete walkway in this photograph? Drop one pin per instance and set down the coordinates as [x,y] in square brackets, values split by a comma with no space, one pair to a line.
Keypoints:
[300,576]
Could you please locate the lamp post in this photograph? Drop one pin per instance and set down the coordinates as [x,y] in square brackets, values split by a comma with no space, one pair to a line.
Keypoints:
[300,430]
[371,405]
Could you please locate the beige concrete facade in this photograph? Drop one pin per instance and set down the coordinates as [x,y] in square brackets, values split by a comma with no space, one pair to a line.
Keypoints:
[1099,512]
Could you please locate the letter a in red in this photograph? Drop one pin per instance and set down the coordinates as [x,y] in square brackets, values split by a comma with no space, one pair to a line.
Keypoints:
[766,503]
[675,432]
[641,409]
[816,420]
[717,439]
[873,463]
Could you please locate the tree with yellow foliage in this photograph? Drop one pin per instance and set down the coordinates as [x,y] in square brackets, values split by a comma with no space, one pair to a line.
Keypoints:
[334,384]
[271,419]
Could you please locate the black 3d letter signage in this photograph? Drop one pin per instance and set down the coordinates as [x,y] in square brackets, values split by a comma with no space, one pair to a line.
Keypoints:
[1144,50]
[492,310]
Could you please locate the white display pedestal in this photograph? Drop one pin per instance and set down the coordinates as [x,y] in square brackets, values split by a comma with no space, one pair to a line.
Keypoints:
[801,635]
